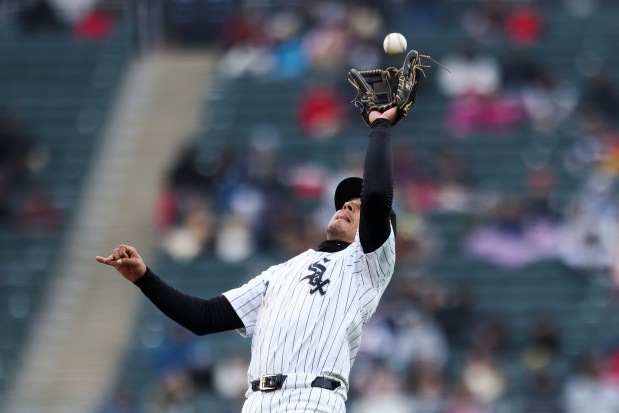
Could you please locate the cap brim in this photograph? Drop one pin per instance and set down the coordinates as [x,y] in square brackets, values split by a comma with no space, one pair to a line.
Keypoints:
[349,188]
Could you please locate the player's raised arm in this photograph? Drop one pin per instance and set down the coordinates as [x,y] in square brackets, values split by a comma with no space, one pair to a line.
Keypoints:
[384,98]
[377,192]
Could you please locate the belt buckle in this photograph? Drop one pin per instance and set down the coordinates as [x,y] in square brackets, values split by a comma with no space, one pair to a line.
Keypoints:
[267,385]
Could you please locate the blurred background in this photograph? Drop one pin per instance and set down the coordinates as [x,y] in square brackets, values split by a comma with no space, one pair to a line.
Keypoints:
[210,135]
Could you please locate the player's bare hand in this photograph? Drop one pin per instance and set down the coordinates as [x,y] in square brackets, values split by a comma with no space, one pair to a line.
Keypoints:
[127,262]
[389,114]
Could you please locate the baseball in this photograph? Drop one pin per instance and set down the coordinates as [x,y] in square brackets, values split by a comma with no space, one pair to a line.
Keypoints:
[394,44]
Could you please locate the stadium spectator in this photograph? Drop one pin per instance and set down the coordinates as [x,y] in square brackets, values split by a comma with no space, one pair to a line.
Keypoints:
[593,147]
[471,73]
[382,391]
[366,27]
[325,44]
[234,240]
[519,71]
[483,377]
[321,114]
[548,102]
[15,148]
[97,24]
[490,337]
[511,239]
[285,32]
[121,400]
[490,114]
[229,377]
[543,344]
[20,157]
[37,212]
[418,187]
[600,96]
[427,388]
[418,339]
[457,315]
[252,59]
[590,389]
[176,394]
[524,24]
[485,20]
[541,394]
[194,235]
[40,16]
[464,401]
[453,181]
[589,235]
[539,205]
[246,26]
[181,351]
[416,242]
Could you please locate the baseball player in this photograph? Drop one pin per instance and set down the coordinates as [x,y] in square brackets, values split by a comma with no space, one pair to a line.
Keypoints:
[305,316]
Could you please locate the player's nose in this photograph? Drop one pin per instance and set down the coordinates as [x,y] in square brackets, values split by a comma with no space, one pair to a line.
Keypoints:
[349,206]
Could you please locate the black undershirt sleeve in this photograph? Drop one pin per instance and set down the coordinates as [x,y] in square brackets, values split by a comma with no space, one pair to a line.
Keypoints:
[195,314]
[377,193]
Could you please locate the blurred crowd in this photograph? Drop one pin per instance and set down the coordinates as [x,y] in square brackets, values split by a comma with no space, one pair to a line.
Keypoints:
[246,196]
[86,19]
[25,205]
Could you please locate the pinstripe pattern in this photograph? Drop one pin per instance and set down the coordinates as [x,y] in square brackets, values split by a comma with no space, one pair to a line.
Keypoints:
[305,317]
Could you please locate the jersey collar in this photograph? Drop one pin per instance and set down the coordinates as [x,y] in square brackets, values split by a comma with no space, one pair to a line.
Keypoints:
[331,245]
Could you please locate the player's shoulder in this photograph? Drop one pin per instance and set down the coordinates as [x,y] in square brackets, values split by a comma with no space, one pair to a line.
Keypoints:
[301,257]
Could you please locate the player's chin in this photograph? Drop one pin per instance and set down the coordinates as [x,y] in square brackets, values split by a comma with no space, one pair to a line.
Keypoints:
[342,230]
[339,224]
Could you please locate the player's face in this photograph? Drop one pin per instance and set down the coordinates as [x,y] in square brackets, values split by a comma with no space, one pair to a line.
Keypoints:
[343,226]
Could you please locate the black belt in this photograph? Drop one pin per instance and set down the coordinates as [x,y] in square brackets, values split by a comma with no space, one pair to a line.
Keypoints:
[270,382]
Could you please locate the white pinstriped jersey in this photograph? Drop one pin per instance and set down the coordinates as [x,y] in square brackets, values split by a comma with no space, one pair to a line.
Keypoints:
[306,316]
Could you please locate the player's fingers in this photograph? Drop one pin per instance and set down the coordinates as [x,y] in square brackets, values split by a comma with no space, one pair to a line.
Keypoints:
[131,252]
[115,254]
[108,261]
[119,253]
[128,262]
[122,251]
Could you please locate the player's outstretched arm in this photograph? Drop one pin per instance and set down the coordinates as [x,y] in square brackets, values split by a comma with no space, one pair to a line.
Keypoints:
[127,261]
[195,314]
[377,193]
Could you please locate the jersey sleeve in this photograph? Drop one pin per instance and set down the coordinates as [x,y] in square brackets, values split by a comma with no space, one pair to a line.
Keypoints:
[374,270]
[247,299]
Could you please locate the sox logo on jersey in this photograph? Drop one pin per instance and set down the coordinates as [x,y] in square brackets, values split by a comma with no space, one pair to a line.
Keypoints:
[309,323]
[315,278]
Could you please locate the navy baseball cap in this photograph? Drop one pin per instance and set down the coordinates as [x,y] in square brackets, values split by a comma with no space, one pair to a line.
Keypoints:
[350,188]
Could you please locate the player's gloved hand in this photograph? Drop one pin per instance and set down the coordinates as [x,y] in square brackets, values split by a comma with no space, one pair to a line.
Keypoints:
[380,90]
[408,82]
[410,75]
[127,262]
[376,90]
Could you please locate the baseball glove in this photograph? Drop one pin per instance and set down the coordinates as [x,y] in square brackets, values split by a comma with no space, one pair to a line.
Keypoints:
[384,89]
[376,90]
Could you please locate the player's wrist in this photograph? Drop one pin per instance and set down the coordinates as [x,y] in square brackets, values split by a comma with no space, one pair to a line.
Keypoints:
[143,279]
[381,122]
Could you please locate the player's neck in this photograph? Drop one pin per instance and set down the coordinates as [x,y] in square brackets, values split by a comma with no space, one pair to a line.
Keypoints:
[332,245]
